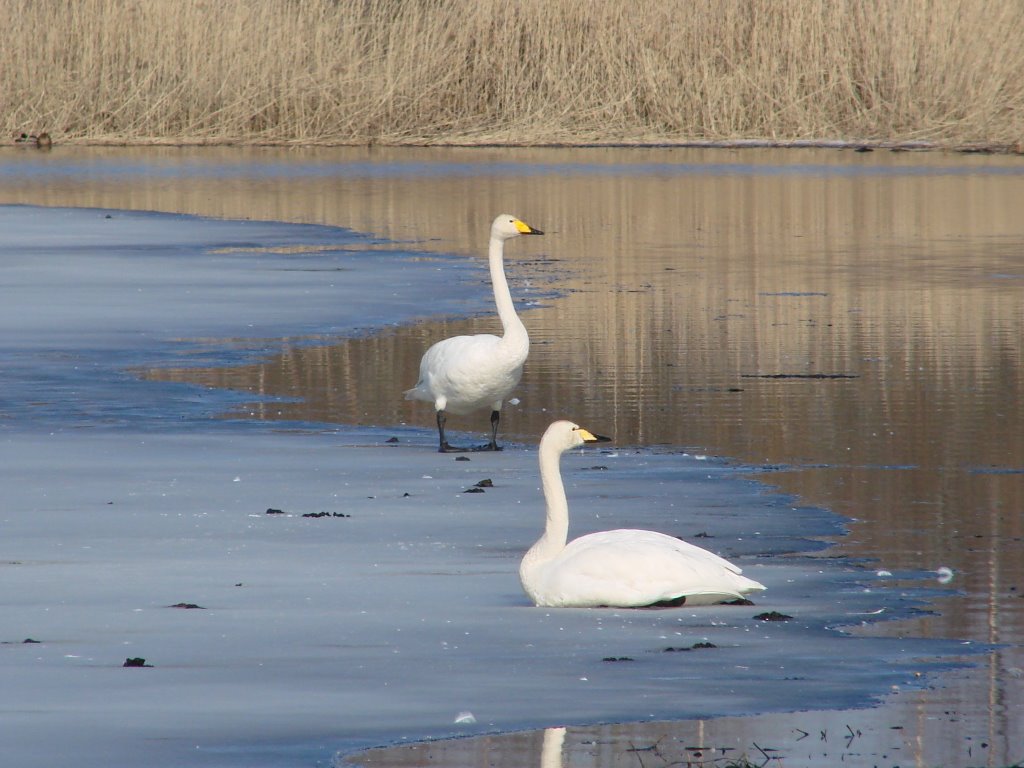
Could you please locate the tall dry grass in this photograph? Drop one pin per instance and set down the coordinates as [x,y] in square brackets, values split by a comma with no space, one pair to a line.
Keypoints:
[409,71]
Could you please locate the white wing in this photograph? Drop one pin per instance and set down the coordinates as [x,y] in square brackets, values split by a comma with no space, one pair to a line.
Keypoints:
[635,568]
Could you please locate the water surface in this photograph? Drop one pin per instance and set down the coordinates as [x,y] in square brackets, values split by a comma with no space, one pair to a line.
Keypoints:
[850,325]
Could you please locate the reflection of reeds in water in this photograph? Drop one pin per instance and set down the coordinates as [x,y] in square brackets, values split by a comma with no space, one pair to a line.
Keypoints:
[533,70]
[684,284]
[802,739]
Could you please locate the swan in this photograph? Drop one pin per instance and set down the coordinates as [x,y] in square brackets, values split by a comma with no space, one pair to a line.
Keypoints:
[622,568]
[463,374]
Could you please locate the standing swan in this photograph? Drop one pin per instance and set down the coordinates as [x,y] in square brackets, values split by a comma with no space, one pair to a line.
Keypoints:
[466,373]
[623,568]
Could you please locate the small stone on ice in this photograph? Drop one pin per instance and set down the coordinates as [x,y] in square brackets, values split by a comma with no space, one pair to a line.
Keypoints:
[465,718]
[514,401]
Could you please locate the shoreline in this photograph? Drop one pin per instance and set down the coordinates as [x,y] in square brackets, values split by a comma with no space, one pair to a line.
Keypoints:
[910,145]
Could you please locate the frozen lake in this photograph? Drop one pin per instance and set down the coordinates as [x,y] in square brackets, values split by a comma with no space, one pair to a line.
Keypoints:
[127,491]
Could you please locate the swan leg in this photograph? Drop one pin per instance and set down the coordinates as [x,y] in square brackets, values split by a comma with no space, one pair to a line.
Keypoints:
[495,418]
[493,445]
[443,444]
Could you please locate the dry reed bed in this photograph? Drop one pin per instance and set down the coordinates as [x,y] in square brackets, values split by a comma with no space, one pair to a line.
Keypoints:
[513,71]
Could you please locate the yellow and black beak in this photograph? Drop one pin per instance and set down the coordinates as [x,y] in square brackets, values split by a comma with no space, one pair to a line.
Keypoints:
[526,229]
[590,437]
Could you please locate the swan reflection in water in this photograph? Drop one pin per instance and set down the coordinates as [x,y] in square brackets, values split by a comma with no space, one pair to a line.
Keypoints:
[551,749]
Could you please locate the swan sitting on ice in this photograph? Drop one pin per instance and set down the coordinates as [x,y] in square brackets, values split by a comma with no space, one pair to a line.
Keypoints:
[622,568]
[466,373]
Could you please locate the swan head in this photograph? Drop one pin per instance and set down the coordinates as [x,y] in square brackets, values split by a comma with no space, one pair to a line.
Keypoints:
[563,435]
[507,226]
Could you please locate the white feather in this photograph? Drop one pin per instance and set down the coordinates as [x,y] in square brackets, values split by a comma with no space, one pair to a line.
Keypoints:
[620,568]
[464,374]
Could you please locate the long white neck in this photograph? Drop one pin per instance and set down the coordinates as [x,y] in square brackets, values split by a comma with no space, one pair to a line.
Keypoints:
[556,528]
[514,330]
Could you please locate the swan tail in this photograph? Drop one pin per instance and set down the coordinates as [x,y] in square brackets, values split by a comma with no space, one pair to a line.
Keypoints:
[749,585]
[419,393]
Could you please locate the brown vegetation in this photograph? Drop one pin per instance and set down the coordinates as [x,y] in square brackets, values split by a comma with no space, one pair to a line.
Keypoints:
[513,71]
